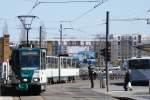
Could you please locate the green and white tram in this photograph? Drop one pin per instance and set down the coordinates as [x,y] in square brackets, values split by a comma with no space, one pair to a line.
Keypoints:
[27,68]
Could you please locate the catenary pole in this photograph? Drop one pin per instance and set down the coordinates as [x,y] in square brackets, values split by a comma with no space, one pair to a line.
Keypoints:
[40,36]
[60,50]
[106,54]
[60,39]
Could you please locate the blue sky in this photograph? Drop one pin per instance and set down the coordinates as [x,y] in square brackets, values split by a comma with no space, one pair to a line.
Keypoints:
[86,26]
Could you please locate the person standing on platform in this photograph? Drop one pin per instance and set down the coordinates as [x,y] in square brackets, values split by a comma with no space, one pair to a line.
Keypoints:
[90,70]
[127,80]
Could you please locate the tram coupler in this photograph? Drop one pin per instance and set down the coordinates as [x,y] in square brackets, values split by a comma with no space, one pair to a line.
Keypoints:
[23,87]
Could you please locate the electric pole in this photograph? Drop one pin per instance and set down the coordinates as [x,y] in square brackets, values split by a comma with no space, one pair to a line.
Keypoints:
[60,30]
[60,50]
[40,37]
[106,50]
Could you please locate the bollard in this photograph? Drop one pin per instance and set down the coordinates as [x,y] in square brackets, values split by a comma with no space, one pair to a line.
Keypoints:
[100,78]
[103,82]
[149,86]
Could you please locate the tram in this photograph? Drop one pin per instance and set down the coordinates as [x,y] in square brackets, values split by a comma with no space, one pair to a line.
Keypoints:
[27,67]
[61,68]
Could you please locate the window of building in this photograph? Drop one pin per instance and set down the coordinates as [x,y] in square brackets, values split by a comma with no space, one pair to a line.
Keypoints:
[119,53]
[88,43]
[77,43]
[64,42]
[135,38]
[134,43]
[82,43]
[69,43]
[73,43]
[118,37]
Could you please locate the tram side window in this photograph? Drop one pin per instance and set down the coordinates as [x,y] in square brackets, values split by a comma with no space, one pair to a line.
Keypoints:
[74,63]
[49,62]
[56,62]
[68,63]
[64,63]
[52,62]
[14,61]
[43,62]
[61,62]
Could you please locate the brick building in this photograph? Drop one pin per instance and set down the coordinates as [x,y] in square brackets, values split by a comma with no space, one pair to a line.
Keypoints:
[4,48]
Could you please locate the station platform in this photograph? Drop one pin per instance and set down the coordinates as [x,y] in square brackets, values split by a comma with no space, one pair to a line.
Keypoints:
[139,92]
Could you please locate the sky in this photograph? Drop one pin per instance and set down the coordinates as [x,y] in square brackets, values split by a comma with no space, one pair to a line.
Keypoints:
[69,15]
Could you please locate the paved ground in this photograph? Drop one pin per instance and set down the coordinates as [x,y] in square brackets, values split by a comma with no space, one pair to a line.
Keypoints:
[81,91]
[139,92]
[74,91]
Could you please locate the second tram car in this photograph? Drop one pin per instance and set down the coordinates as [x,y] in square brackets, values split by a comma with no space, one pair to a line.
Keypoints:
[61,68]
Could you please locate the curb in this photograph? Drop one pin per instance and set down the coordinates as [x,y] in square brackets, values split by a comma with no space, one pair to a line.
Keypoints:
[123,98]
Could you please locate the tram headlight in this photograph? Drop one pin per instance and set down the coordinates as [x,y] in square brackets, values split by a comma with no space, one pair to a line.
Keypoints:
[36,79]
[24,80]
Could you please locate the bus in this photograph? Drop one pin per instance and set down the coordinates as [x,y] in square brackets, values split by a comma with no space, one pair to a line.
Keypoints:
[140,68]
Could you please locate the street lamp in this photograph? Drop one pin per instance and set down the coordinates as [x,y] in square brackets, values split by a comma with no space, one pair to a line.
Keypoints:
[26,21]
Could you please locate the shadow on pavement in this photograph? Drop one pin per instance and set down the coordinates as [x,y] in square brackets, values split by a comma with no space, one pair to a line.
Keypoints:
[124,98]
[8,91]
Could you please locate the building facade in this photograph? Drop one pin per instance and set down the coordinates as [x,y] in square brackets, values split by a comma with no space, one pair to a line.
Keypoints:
[122,47]
[5,51]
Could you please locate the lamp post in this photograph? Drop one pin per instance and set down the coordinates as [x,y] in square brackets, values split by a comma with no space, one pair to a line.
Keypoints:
[60,30]
[106,50]
[61,34]
[26,21]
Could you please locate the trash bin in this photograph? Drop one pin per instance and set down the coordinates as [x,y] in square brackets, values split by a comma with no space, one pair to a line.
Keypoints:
[149,86]
[102,81]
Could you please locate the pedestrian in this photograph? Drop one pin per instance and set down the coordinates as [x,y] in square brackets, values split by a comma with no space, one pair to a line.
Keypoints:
[94,75]
[127,80]
[90,70]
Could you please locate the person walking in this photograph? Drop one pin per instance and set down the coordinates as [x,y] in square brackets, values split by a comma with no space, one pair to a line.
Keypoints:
[127,80]
[91,75]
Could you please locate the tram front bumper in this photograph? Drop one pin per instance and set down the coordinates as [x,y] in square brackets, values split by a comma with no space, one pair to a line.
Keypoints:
[28,87]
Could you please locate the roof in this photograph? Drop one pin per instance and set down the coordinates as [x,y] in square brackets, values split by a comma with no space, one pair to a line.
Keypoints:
[144,57]
[36,49]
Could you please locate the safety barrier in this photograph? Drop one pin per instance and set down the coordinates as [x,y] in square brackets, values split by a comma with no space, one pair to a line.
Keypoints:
[116,76]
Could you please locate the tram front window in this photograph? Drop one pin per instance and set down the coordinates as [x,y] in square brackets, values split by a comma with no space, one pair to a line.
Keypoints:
[30,59]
